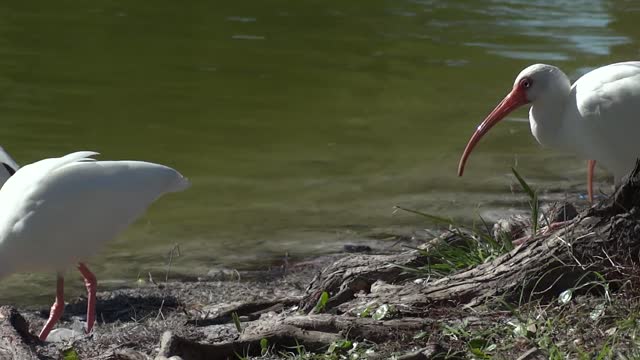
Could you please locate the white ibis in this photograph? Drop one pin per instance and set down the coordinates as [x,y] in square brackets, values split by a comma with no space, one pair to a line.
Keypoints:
[598,118]
[60,211]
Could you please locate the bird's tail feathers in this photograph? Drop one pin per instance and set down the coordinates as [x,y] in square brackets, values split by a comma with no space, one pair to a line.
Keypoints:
[181,183]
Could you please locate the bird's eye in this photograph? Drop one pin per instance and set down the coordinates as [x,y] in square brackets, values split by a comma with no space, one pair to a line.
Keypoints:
[526,83]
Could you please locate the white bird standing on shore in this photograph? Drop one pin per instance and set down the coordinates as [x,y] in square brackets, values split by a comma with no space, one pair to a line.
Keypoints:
[598,118]
[60,211]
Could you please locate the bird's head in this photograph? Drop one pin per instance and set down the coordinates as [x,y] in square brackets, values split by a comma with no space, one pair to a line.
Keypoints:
[531,85]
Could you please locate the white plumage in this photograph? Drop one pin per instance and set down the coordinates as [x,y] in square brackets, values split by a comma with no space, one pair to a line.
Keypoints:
[608,117]
[51,204]
[597,119]
[60,211]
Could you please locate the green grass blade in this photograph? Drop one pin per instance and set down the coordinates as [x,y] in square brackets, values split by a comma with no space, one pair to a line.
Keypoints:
[322,302]
[524,184]
[433,218]
[236,321]
[533,196]
[486,225]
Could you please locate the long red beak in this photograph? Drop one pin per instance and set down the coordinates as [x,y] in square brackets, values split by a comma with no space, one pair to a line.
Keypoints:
[512,101]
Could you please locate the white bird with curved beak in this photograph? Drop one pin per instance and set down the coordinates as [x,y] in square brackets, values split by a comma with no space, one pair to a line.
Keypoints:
[597,119]
[60,211]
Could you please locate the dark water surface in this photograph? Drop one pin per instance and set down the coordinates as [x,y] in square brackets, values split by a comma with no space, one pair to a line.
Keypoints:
[300,123]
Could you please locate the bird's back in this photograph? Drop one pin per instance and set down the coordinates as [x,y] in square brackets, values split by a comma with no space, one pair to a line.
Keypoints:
[608,104]
[58,211]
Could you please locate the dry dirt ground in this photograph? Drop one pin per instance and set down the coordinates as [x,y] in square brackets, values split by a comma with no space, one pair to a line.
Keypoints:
[131,322]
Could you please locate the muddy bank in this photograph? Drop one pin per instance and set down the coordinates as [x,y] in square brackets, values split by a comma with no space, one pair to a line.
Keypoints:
[130,322]
[565,291]
[195,310]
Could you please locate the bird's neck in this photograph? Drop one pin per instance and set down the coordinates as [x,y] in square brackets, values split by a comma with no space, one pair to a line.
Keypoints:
[546,118]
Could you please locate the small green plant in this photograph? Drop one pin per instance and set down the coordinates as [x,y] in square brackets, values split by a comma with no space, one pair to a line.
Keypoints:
[366,312]
[70,354]
[534,204]
[264,346]
[475,246]
[242,357]
[339,346]
[322,302]
[236,322]
[480,344]
[338,350]
[300,353]
[533,200]
[481,348]
[596,318]
[383,311]
[586,321]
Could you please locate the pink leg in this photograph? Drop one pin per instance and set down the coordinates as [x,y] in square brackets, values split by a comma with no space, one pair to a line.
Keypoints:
[591,164]
[56,309]
[91,283]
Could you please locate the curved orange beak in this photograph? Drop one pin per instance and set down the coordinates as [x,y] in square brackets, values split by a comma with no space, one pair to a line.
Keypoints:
[516,98]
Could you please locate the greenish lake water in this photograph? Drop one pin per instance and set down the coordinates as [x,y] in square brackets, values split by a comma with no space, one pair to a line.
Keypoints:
[300,123]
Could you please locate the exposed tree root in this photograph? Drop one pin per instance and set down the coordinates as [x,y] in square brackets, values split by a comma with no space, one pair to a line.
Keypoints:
[601,242]
[15,340]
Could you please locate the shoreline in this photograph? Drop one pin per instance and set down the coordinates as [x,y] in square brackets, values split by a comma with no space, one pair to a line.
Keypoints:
[462,293]
[131,321]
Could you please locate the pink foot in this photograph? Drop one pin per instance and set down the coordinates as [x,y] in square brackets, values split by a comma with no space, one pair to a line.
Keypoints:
[56,309]
[91,283]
